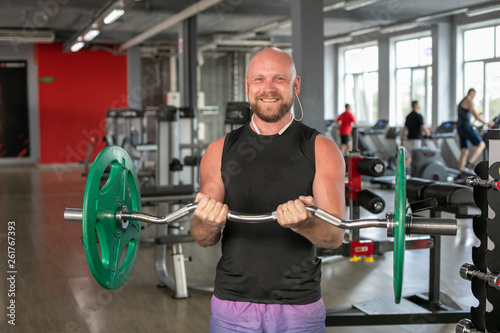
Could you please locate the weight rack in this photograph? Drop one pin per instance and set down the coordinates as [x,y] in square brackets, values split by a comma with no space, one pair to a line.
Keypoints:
[485,317]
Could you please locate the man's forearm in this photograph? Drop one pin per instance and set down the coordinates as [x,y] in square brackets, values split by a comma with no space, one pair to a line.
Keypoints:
[203,234]
[321,233]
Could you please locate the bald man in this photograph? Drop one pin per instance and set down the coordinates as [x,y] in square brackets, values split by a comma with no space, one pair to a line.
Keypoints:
[268,278]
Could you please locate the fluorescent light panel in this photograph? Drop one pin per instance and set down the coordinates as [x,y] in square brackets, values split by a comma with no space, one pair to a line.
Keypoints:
[398,27]
[334,6]
[26,36]
[114,15]
[91,34]
[365,31]
[337,40]
[77,46]
[483,10]
[355,4]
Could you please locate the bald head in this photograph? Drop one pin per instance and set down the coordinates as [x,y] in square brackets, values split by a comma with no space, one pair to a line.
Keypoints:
[272,57]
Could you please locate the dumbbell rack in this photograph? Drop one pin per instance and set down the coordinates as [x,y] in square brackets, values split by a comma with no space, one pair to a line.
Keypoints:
[415,309]
[485,317]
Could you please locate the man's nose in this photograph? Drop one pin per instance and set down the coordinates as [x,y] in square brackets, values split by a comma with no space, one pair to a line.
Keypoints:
[269,87]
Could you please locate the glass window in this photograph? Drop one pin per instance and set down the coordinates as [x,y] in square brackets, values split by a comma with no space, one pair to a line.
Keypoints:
[474,78]
[479,44]
[481,69]
[403,97]
[361,60]
[407,53]
[492,92]
[354,61]
[413,79]
[425,51]
[361,82]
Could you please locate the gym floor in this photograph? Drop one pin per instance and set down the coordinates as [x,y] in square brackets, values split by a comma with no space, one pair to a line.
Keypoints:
[55,292]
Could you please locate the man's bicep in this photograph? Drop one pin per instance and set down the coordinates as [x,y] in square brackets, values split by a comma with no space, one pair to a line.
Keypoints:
[329,182]
[210,175]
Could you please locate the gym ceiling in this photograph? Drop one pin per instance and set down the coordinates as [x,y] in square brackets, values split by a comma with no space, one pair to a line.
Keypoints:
[222,24]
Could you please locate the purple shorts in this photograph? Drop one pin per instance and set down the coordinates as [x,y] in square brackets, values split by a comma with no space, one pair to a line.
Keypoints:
[229,316]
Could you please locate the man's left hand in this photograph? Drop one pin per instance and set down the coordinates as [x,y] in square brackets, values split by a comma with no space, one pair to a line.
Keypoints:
[293,214]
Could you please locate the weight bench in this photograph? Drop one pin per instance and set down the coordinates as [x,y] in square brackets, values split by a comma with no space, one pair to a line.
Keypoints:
[171,195]
[451,198]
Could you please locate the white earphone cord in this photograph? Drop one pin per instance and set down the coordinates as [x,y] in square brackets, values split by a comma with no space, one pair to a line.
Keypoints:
[301,109]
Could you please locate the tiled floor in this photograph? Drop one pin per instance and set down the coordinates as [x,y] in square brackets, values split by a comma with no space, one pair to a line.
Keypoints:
[55,291]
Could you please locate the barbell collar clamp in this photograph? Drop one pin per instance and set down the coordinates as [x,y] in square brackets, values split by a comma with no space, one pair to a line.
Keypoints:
[423,226]
[72,214]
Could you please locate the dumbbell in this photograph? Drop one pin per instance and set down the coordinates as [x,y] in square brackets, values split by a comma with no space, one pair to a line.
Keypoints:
[466,326]
[476,181]
[469,272]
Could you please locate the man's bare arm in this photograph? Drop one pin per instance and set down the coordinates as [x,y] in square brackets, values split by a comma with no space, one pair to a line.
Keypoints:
[210,215]
[329,195]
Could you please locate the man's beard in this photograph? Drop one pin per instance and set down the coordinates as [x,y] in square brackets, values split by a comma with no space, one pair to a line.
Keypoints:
[270,117]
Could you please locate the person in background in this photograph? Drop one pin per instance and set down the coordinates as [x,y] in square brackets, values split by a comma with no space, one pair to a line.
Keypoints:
[345,121]
[467,133]
[268,277]
[412,133]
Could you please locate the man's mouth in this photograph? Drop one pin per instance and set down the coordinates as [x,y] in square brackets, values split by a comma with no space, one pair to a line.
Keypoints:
[268,98]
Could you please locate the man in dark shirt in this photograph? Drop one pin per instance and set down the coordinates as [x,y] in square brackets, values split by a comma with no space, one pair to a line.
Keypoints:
[414,126]
[268,278]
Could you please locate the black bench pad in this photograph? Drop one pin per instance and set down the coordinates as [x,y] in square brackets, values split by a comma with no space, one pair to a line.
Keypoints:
[174,239]
[167,190]
[450,194]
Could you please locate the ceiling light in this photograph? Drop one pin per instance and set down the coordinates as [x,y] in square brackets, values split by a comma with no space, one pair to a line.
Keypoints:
[337,40]
[398,27]
[114,15]
[476,11]
[364,31]
[334,6]
[91,34]
[442,14]
[77,46]
[109,13]
[355,4]
[26,36]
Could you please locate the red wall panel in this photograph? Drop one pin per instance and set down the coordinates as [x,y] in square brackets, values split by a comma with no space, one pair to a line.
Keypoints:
[73,107]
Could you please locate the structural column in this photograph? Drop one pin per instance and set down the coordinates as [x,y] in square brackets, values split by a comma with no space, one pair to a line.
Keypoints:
[308,54]
[134,78]
[187,63]
[443,73]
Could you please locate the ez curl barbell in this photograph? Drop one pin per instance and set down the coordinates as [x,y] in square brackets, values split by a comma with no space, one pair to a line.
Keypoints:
[112,212]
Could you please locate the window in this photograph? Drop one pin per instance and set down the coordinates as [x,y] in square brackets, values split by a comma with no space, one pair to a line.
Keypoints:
[413,78]
[481,68]
[361,82]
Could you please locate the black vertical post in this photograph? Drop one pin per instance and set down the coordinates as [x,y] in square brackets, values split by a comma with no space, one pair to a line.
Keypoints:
[434,268]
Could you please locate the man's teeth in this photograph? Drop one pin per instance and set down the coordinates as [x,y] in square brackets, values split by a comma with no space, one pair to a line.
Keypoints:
[269,99]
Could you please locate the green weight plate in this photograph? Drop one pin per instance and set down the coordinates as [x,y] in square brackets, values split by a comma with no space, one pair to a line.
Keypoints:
[399,225]
[110,248]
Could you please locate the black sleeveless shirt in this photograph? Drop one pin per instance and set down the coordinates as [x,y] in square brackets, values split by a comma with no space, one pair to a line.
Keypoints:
[264,262]
[463,117]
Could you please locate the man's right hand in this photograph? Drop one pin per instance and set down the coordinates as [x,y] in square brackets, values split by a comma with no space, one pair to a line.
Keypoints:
[211,212]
